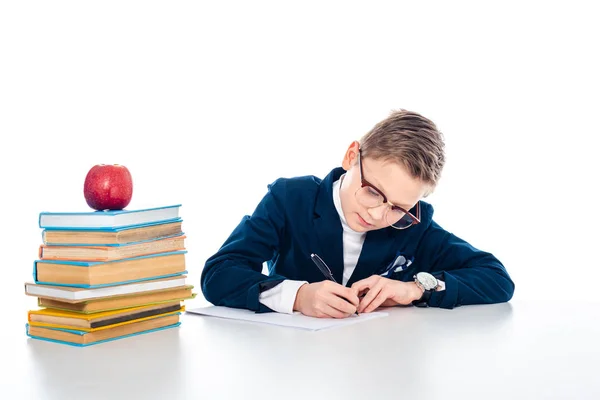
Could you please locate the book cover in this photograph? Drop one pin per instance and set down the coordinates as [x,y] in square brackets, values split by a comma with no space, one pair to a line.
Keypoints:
[110,236]
[136,315]
[112,244]
[82,339]
[135,269]
[118,302]
[71,294]
[114,252]
[108,218]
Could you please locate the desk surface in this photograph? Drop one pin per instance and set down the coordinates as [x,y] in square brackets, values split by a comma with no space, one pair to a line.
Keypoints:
[528,351]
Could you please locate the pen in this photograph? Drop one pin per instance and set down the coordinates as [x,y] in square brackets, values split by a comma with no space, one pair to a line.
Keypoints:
[324,269]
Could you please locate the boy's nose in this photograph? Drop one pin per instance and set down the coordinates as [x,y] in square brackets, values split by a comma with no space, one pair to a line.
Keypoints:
[377,213]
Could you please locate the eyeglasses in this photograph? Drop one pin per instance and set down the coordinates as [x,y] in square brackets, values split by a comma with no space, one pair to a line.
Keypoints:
[371,197]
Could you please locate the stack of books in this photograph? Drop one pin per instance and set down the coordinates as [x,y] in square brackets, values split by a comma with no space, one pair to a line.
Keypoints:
[108,275]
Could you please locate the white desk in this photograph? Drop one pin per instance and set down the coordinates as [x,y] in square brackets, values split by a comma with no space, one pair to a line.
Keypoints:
[508,351]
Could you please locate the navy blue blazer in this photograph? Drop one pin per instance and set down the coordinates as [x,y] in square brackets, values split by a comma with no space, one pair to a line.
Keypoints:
[297,217]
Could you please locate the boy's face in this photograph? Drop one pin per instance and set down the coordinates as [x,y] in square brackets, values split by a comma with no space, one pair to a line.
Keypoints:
[388,177]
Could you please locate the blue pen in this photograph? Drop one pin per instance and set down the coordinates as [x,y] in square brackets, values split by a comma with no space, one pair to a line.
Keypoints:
[324,269]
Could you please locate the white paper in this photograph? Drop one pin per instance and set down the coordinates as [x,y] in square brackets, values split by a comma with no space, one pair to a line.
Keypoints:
[296,320]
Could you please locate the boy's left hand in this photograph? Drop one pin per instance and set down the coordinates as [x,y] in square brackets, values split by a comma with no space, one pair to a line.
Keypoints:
[385,292]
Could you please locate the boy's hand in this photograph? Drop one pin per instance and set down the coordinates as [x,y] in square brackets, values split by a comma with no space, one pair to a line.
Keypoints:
[326,299]
[380,291]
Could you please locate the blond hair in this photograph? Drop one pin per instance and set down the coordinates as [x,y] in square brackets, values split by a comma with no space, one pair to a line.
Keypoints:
[408,139]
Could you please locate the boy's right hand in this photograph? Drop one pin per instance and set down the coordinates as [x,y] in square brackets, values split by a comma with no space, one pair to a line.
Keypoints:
[326,299]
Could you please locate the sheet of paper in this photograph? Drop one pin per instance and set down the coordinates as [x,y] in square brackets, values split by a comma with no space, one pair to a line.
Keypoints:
[296,320]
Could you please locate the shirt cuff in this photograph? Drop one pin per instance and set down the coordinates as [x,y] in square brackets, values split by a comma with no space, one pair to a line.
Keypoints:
[442,286]
[281,298]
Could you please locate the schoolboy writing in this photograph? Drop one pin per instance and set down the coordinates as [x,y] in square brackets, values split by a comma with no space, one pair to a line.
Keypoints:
[368,224]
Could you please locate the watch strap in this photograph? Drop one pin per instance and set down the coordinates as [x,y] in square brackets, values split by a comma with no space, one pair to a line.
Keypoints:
[424,300]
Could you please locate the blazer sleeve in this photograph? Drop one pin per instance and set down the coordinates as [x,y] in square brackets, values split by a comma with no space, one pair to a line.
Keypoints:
[471,276]
[233,276]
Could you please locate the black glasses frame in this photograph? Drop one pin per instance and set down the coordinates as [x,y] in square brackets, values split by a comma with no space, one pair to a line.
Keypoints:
[364,183]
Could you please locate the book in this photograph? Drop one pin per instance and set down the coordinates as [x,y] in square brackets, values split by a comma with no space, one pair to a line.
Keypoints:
[77,295]
[112,236]
[108,218]
[82,338]
[108,273]
[107,253]
[97,321]
[121,302]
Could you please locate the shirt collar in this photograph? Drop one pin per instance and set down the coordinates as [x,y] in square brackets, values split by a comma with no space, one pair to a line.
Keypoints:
[337,201]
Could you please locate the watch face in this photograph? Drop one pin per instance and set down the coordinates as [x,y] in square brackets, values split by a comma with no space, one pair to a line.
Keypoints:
[427,280]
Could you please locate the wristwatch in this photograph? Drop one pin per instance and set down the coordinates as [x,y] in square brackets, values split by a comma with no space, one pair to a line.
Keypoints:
[428,283]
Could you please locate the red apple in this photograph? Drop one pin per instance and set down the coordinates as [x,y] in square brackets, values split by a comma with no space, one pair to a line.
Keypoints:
[108,187]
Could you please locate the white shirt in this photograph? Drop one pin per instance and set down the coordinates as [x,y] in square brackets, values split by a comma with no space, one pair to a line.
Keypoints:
[281,298]
[352,240]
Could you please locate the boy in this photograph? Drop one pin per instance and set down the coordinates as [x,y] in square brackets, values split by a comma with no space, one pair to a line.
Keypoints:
[366,221]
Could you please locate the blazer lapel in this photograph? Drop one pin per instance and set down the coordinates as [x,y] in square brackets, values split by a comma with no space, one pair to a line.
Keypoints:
[328,241]
[376,251]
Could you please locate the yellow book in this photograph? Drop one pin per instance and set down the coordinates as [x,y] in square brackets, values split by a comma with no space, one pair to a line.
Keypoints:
[51,318]
[120,302]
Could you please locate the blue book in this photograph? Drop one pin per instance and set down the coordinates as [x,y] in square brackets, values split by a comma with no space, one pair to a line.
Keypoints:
[95,274]
[108,219]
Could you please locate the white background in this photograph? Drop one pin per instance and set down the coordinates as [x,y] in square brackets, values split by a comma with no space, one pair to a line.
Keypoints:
[207,104]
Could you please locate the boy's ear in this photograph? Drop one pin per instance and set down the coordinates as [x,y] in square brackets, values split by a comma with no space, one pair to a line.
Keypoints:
[351,155]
